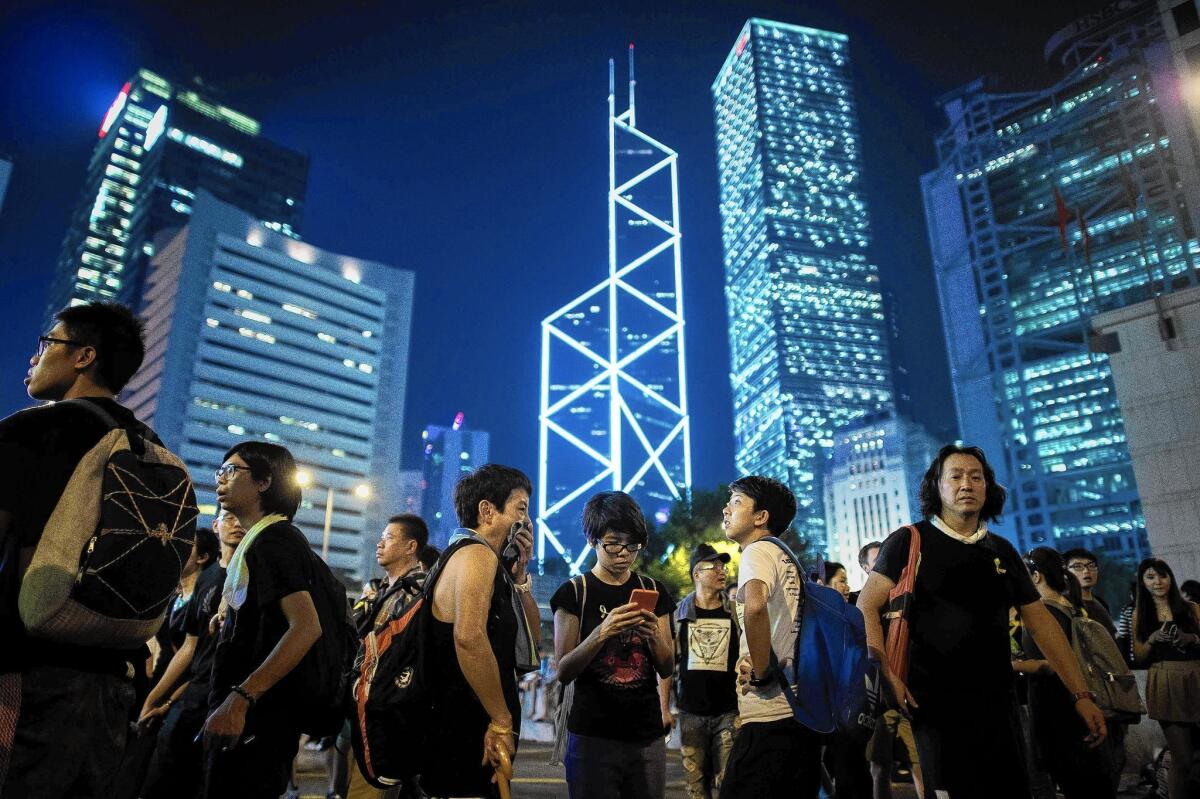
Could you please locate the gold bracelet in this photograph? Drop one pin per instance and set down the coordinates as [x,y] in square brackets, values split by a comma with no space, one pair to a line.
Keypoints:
[524,588]
[496,728]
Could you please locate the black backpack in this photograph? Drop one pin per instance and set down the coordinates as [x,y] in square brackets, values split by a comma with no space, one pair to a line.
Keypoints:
[392,701]
[108,562]
[324,673]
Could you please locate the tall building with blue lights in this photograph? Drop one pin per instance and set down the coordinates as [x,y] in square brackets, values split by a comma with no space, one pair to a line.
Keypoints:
[450,452]
[613,409]
[254,335]
[807,334]
[1047,208]
[158,145]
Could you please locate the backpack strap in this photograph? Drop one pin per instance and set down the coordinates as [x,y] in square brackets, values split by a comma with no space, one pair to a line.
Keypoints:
[136,439]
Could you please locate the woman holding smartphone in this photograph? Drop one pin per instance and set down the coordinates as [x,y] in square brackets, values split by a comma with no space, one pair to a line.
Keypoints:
[614,648]
[1166,637]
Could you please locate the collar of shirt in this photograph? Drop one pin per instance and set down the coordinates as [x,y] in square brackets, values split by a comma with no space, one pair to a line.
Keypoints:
[973,538]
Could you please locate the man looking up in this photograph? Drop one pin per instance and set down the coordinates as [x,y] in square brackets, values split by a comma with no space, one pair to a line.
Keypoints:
[706,655]
[1083,564]
[398,552]
[960,670]
[485,628]
[773,755]
[72,703]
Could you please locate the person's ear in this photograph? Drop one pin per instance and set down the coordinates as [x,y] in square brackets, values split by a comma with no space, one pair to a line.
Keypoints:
[85,357]
[486,511]
[263,485]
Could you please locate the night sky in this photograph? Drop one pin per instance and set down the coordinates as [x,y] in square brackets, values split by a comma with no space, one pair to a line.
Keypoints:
[467,142]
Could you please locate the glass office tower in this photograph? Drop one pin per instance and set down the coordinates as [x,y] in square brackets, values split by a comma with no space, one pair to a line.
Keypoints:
[1048,207]
[807,335]
[158,144]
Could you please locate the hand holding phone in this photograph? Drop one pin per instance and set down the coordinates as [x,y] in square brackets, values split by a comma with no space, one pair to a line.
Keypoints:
[644,598]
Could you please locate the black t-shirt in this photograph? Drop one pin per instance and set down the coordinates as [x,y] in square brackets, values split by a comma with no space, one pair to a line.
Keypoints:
[1097,611]
[39,450]
[616,695]
[706,671]
[205,602]
[1055,723]
[958,625]
[280,563]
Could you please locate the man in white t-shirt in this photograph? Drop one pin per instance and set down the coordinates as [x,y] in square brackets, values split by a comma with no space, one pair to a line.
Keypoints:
[773,755]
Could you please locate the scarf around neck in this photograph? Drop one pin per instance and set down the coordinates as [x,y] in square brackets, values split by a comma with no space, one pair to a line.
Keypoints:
[973,538]
[237,573]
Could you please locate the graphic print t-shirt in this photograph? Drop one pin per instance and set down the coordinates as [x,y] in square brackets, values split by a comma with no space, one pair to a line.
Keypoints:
[767,562]
[708,657]
[616,695]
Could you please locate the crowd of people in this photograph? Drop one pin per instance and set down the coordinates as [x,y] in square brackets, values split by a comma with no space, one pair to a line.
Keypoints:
[992,699]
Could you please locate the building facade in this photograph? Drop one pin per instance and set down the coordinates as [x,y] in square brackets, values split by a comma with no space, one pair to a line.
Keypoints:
[159,144]
[5,175]
[613,410]
[1047,208]
[253,335]
[808,340]
[450,452]
[871,484]
[1155,363]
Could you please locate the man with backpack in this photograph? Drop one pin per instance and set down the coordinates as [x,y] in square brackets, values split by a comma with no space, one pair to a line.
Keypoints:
[268,623]
[398,553]
[66,706]
[484,631]
[773,755]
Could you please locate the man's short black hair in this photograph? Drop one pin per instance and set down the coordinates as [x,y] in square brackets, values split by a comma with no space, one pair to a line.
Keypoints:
[931,497]
[770,495]
[832,567]
[116,334]
[414,527]
[208,547]
[275,463]
[1078,553]
[862,553]
[492,482]
[617,512]
[428,556]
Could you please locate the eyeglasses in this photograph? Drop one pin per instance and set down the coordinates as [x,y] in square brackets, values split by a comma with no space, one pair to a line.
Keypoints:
[1084,567]
[710,567]
[616,547]
[229,470]
[46,341]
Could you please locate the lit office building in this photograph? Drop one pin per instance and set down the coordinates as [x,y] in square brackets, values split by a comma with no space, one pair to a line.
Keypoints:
[254,335]
[1047,208]
[807,336]
[159,144]
[871,484]
[5,176]
[450,452]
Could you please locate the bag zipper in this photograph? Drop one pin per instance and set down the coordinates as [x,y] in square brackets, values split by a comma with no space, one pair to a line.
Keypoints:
[87,556]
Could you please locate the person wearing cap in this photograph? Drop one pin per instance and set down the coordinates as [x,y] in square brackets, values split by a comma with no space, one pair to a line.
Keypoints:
[706,664]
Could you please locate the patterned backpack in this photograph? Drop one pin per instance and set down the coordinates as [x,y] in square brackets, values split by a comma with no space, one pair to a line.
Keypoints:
[109,560]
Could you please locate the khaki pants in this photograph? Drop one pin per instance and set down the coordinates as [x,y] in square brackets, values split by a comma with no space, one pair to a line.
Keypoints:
[705,743]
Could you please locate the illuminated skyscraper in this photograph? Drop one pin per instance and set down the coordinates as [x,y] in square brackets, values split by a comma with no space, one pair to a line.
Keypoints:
[1047,208]
[5,174]
[614,411]
[158,145]
[807,336]
[253,335]
[450,452]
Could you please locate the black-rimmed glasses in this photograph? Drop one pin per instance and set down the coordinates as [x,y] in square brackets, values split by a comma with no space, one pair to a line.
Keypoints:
[46,341]
[616,547]
[223,473]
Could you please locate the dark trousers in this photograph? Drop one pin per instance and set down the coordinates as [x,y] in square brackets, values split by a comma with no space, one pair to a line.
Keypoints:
[776,759]
[177,767]
[845,759]
[601,768]
[254,769]
[973,752]
[70,734]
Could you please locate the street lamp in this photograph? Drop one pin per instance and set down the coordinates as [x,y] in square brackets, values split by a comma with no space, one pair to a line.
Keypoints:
[305,479]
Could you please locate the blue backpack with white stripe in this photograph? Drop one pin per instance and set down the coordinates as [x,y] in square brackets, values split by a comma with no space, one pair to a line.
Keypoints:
[831,684]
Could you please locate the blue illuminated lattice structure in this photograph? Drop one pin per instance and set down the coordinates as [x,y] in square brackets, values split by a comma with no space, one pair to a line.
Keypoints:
[613,409]
[806,323]
[1018,291]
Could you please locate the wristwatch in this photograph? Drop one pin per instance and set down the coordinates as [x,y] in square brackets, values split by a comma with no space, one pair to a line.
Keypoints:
[1075,697]
[244,694]
[524,588]
[766,679]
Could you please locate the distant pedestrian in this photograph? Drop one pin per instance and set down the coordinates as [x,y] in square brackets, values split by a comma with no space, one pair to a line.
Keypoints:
[485,634]
[268,623]
[1190,590]
[614,650]
[705,680]
[845,756]
[959,660]
[1166,636]
[773,755]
